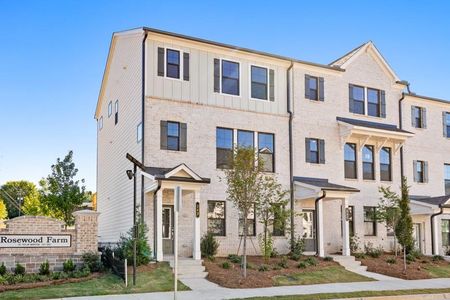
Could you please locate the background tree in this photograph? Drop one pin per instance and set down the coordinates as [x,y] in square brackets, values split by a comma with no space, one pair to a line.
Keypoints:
[404,228]
[61,193]
[32,204]
[244,180]
[13,194]
[271,211]
[3,211]
[388,211]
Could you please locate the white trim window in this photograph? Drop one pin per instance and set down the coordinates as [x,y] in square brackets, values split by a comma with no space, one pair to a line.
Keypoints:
[109,109]
[227,77]
[116,112]
[100,123]
[139,133]
[173,64]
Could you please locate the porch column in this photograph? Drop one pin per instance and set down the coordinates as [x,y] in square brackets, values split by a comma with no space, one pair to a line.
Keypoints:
[158,225]
[196,253]
[319,212]
[345,228]
[435,236]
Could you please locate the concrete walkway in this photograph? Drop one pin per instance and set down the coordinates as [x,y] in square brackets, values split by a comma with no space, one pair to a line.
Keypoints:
[205,290]
[353,265]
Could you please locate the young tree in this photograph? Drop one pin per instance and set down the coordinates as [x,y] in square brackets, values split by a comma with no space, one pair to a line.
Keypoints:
[32,204]
[271,211]
[3,211]
[388,211]
[404,228]
[245,180]
[13,194]
[61,193]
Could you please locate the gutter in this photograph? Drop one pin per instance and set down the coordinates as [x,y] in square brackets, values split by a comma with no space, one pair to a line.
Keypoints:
[143,124]
[316,206]
[432,227]
[291,159]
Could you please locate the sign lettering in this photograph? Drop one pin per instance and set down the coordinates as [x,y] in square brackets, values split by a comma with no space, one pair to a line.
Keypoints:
[35,240]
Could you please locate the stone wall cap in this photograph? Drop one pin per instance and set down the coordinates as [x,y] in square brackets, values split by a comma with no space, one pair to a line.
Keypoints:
[86,212]
[21,218]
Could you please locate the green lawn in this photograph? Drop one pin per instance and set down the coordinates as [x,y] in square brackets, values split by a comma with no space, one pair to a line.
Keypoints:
[355,294]
[438,271]
[325,275]
[157,280]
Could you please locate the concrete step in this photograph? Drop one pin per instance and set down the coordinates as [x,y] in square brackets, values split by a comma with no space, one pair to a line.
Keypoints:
[193,275]
[190,269]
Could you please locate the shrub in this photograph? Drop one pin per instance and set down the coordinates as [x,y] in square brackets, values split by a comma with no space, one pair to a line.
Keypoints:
[83,272]
[68,266]
[438,258]
[225,265]
[19,270]
[3,269]
[276,267]
[236,259]
[263,268]
[265,242]
[250,266]
[125,245]
[311,261]
[297,247]
[328,258]
[56,275]
[295,257]
[359,255]
[283,263]
[209,245]
[354,244]
[44,268]
[92,260]
[302,265]
[416,253]
[274,253]
[410,257]
[371,251]
[391,260]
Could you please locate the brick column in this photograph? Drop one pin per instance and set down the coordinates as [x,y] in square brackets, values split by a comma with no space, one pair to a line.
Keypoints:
[86,225]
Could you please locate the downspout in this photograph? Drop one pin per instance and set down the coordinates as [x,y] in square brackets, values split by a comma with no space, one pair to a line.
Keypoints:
[143,124]
[291,159]
[154,219]
[432,227]
[316,206]
[400,125]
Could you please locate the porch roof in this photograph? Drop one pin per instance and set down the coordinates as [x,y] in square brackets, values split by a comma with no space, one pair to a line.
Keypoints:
[440,201]
[324,184]
[373,125]
[180,172]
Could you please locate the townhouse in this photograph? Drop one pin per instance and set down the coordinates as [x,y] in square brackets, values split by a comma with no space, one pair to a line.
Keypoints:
[331,134]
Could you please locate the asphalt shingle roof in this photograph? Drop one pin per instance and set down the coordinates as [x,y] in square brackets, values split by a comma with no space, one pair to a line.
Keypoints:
[324,184]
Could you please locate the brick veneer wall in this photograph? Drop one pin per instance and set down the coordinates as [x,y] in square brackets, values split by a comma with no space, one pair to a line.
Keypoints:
[84,239]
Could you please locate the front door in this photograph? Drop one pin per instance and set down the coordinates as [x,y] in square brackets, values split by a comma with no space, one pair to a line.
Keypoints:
[167,229]
[309,230]
[417,236]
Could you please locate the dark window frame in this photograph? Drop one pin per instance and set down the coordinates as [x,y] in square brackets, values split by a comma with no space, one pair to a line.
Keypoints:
[371,220]
[110,109]
[420,174]
[266,84]
[177,65]
[418,120]
[224,149]
[240,220]
[272,169]
[378,104]
[355,162]
[100,123]
[447,179]
[363,101]
[445,239]
[116,112]
[316,152]
[253,137]
[372,163]
[447,122]
[389,165]
[313,93]
[238,79]
[224,218]
[139,132]
[177,137]
[351,223]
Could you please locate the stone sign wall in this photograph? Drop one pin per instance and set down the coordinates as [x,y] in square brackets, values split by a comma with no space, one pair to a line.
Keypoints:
[31,240]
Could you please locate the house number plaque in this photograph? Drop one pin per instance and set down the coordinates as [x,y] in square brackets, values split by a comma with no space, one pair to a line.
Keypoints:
[197,209]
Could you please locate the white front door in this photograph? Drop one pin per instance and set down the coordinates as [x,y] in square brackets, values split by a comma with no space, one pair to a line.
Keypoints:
[417,235]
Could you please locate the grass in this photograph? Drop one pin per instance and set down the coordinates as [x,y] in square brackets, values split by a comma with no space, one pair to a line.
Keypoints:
[158,280]
[438,271]
[325,275]
[355,294]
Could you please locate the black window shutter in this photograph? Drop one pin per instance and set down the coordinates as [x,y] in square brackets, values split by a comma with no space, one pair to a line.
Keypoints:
[321,151]
[350,97]
[321,89]
[307,87]
[216,75]
[415,171]
[424,117]
[186,66]
[425,171]
[160,61]
[444,122]
[383,104]
[307,147]
[163,135]
[183,137]
[271,85]
[413,116]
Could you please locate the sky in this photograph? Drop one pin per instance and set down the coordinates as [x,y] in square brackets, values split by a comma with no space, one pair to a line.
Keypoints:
[53,53]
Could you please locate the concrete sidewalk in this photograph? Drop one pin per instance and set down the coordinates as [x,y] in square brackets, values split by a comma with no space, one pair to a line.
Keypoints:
[205,290]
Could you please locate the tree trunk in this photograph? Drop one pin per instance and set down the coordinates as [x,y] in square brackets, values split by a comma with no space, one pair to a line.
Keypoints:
[404,260]
[265,241]
[244,259]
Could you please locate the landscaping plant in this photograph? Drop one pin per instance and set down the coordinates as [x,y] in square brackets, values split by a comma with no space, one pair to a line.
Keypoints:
[297,248]
[404,227]
[125,246]
[44,268]
[69,266]
[3,269]
[388,211]
[92,261]
[19,270]
[209,245]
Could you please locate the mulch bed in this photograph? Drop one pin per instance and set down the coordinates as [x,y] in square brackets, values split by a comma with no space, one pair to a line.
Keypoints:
[232,278]
[30,285]
[414,270]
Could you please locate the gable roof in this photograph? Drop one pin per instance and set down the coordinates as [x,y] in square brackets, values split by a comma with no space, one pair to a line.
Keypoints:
[171,174]
[368,47]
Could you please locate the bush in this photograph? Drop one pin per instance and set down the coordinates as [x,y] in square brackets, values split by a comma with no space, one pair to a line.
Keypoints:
[371,251]
[311,261]
[56,275]
[283,263]
[92,261]
[209,245]
[416,253]
[302,265]
[410,257]
[276,267]
[297,247]
[263,268]
[391,260]
[295,257]
[3,269]
[328,258]
[83,272]
[125,246]
[225,265]
[44,268]
[359,255]
[274,253]
[19,270]
[438,258]
[265,245]
[68,266]
[236,259]
[354,244]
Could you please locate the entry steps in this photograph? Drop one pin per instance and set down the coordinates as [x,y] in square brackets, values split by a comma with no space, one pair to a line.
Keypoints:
[352,265]
[188,267]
